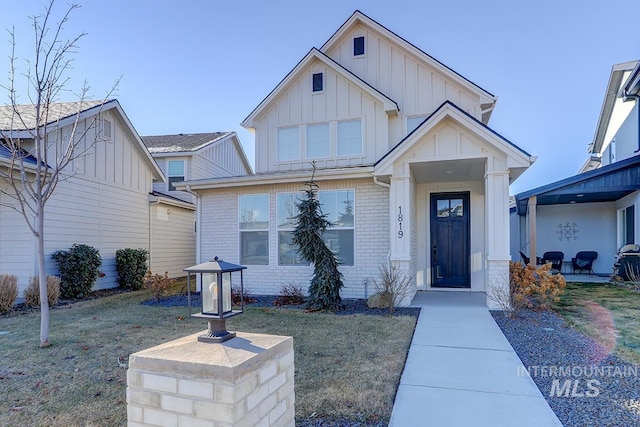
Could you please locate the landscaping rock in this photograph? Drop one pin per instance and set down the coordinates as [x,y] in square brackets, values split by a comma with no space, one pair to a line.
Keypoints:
[378,300]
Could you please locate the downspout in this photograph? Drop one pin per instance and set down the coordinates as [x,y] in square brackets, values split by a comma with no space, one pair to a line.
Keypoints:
[198,221]
[151,204]
[387,186]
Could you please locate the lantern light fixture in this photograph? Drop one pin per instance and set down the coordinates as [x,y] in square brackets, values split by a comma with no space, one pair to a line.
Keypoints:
[216,303]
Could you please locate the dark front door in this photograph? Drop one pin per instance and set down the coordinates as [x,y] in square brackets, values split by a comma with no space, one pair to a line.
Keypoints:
[450,251]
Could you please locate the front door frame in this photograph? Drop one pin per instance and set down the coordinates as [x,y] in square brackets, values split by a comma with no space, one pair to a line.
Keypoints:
[462,280]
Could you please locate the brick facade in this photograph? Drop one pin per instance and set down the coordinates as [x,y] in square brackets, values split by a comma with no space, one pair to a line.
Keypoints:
[247,381]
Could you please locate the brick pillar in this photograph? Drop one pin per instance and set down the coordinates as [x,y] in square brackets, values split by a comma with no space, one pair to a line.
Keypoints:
[246,381]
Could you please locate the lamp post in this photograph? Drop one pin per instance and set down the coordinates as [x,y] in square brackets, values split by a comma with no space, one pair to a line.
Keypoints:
[217,307]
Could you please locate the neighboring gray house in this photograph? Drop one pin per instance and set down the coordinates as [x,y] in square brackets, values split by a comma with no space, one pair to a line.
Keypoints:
[594,210]
[184,157]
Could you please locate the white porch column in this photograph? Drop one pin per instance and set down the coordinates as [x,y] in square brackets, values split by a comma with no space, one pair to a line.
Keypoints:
[497,230]
[400,214]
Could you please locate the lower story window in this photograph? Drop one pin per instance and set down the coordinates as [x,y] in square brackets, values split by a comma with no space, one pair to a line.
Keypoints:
[339,207]
[254,229]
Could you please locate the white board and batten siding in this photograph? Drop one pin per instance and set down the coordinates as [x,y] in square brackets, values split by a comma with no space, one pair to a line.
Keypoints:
[340,100]
[103,204]
[173,239]
[401,75]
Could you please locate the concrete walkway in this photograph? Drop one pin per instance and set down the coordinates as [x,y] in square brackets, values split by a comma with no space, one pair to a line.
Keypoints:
[462,371]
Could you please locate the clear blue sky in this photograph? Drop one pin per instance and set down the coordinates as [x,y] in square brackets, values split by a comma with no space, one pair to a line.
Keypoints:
[203,65]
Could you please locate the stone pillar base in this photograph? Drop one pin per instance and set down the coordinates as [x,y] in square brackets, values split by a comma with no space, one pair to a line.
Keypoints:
[246,381]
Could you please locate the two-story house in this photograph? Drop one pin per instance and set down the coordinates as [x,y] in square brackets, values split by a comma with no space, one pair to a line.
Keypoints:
[184,157]
[408,169]
[594,210]
[102,200]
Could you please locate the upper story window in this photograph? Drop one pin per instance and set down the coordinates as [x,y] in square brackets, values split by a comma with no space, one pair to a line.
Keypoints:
[317,140]
[175,172]
[414,122]
[318,82]
[349,138]
[253,218]
[288,144]
[358,46]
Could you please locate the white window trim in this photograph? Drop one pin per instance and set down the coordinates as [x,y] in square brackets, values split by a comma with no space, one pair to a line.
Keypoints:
[267,229]
[364,55]
[362,142]
[324,82]
[355,219]
[169,176]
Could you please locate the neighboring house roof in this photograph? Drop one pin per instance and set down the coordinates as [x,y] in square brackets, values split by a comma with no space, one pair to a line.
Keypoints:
[186,144]
[5,156]
[605,184]
[61,114]
[613,88]
[632,86]
[390,106]
[449,109]
[26,117]
[182,142]
[156,196]
[359,17]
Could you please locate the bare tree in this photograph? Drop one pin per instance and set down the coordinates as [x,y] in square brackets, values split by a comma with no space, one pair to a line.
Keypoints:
[37,155]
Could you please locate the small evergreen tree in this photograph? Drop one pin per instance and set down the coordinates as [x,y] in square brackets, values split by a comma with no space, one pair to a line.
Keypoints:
[311,223]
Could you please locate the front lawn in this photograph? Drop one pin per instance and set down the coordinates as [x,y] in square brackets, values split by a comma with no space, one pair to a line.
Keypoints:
[607,312]
[346,366]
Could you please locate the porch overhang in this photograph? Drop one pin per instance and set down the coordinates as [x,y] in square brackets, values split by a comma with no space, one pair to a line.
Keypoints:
[606,184]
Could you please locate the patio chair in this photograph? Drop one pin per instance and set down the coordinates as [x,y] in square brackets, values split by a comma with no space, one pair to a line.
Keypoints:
[584,261]
[527,260]
[555,258]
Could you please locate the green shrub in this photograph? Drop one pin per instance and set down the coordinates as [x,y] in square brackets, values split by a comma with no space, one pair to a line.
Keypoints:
[8,292]
[131,265]
[79,269]
[32,293]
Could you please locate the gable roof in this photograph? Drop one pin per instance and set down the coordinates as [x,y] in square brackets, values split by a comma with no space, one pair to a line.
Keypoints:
[187,144]
[605,184]
[182,142]
[390,106]
[26,120]
[613,89]
[449,109]
[61,114]
[360,18]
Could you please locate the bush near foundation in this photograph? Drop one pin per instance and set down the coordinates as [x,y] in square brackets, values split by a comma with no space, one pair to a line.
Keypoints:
[131,265]
[290,294]
[32,293]
[79,269]
[535,287]
[8,292]
[159,284]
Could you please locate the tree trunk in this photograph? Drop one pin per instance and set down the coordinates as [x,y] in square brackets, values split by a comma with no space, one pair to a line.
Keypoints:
[42,279]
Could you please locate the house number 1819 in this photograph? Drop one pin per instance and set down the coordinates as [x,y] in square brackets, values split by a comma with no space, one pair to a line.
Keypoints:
[400,219]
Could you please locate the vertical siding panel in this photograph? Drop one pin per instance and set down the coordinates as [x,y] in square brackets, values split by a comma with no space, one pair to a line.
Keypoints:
[385,68]
[424,91]
[410,86]
[397,77]
[283,111]
[295,100]
[373,59]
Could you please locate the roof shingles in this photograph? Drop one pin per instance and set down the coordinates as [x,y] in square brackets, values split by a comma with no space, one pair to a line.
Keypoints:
[181,142]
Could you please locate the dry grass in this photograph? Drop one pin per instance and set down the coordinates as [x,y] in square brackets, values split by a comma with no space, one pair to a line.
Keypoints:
[609,313]
[346,366]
